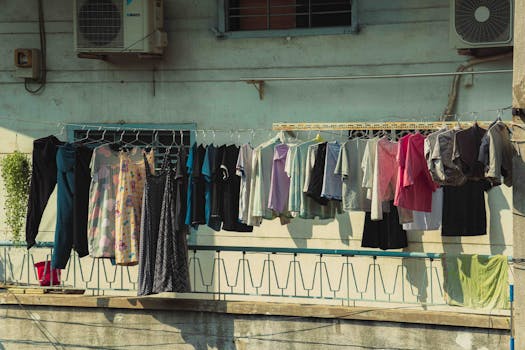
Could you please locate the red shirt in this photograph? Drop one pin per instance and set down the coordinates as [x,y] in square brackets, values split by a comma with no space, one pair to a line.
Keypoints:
[414,186]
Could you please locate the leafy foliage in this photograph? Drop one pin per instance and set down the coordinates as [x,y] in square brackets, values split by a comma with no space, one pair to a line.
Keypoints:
[16,173]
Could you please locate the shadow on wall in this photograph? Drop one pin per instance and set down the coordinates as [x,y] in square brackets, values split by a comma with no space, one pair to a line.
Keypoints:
[416,269]
[497,203]
[177,328]
[301,230]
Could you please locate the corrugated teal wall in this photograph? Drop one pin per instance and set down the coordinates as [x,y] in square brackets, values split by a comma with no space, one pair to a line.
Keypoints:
[397,36]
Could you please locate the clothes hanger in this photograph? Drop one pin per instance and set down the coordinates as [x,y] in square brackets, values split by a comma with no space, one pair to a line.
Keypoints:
[318,137]
[62,129]
[99,140]
[137,140]
[181,139]
[85,138]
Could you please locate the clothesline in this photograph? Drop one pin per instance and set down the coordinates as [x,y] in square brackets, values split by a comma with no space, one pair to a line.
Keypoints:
[373,125]
[60,125]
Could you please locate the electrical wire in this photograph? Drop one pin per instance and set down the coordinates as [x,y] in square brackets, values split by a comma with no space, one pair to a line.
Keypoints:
[45,332]
[43,65]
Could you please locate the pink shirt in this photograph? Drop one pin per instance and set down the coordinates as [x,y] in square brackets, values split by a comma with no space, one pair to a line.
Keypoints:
[387,175]
[414,186]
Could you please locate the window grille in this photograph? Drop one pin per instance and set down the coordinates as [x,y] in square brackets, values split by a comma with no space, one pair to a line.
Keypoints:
[250,15]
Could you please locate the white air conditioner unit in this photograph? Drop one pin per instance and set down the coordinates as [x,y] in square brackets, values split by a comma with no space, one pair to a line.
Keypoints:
[119,26]
[481,23]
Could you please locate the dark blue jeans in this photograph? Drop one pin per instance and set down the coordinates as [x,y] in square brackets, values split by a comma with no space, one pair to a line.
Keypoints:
[73,180]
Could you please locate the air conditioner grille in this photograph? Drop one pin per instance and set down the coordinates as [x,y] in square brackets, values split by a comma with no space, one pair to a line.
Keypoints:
[483,21]
[100,23]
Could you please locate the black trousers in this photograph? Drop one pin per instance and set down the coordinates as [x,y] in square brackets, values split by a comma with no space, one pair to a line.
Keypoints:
[43,180]
[81,199]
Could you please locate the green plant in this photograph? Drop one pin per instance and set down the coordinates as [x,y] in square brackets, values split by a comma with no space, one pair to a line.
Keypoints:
[16,173]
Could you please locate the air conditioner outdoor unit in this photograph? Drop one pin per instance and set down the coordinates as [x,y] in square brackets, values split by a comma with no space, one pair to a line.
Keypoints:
[481,23]
[119,26]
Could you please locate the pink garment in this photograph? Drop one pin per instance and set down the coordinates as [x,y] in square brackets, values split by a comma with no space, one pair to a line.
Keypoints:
[387,175]
[280,182]
[414,186]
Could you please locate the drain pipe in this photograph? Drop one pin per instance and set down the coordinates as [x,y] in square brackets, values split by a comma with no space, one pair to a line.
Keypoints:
[453,94]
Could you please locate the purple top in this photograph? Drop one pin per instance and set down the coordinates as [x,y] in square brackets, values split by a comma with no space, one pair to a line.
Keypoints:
[280,182]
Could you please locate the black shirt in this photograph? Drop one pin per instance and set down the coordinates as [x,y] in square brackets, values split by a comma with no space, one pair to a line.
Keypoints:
[466,150]
[215,159]
[198,187]
[231,187]
[181,185]
[315,186]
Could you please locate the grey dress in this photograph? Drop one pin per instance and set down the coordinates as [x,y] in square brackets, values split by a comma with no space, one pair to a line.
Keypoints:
[171,264]
[150,223]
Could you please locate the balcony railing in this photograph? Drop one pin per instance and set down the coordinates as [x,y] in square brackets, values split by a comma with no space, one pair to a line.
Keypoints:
[343,277]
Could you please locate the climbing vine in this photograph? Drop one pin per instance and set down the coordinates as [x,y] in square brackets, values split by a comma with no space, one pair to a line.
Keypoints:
[16,174]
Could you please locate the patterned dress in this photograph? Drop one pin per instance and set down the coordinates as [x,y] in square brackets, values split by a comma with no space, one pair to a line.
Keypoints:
[128,205]
[105,165]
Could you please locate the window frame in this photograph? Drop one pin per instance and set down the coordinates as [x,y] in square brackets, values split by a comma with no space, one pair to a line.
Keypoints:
[221,31]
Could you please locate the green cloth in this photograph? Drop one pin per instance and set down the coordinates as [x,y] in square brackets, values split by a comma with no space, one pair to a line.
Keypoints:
[477,281]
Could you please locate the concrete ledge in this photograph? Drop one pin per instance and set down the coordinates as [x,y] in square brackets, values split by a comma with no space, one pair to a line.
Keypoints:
[442,318]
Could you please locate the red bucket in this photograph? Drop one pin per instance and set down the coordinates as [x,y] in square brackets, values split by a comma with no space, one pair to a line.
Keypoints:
[44,271]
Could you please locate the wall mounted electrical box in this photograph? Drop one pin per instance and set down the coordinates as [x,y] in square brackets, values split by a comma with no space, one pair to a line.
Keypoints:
[27,63]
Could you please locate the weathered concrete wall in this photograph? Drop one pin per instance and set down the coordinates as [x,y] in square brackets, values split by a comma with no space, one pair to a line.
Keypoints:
[518,101]
[36,327]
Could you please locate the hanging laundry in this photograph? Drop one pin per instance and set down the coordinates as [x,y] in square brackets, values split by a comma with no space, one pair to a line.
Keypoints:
[464,209]
[332,184]
[66,235]
[466,152]
[212,173]
[262,159]
[385,176]
[209,160]
[300,204]
[429,145]
[476,281]
[315,163]
[280,182]
[43,181]
[181,185]
[196,214]
[243,169]
[81,199]
[171,264]
[230,195]
[349,168]
[405,215]
[128,206]
[368,166]
[423,221]
[384,234]
[154,189]
[446,172]
[498,157]
[415,188]
[105,168]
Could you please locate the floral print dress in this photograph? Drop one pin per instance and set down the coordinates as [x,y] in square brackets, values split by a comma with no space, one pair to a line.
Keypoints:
[128,206]
[105,165]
